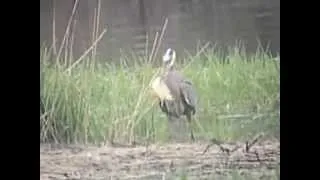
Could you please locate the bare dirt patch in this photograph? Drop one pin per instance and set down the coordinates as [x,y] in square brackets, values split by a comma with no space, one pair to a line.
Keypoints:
[159,161]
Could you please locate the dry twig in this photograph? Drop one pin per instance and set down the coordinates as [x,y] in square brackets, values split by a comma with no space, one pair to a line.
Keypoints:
[229,151]
[254,141]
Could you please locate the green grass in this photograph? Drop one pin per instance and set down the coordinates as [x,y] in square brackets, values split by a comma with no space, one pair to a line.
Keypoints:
[93,104]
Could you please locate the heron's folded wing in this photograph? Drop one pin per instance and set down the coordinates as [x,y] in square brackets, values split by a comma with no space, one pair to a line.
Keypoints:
[188,93]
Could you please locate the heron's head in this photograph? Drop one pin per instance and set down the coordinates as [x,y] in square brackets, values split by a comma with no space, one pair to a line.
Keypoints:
[169,58]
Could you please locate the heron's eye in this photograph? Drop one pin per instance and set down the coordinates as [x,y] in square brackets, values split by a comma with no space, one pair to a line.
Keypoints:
[170,52]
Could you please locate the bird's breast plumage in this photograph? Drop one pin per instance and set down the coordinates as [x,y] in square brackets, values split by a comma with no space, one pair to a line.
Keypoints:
[160,88]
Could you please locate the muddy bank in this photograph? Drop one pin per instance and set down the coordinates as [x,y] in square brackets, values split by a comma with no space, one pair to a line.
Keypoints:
[159,161]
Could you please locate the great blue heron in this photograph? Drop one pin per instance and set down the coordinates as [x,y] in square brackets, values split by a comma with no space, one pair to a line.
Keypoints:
[177,98]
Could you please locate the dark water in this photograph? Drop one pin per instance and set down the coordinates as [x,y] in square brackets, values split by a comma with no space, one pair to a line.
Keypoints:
[191,23]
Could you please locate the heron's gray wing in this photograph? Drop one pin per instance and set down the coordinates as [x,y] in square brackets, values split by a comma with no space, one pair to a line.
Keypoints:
[188,94]
[172,108]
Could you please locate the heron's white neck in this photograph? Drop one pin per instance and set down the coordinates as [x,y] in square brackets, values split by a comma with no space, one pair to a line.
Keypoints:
[172,61]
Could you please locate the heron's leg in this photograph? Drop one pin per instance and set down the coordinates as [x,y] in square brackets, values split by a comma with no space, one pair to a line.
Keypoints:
[177,126]
[189,126]
[178,129]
